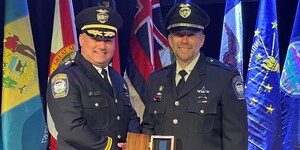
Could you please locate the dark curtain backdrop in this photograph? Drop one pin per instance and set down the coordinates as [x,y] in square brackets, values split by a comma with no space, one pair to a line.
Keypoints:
[41,16]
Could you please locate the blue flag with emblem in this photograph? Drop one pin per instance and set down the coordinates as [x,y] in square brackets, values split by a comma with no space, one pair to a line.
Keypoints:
[290,89]
[262,82]
[23,124]
[231,52]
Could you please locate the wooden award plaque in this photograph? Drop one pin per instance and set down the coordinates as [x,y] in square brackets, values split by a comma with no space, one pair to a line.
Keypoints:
[136,141]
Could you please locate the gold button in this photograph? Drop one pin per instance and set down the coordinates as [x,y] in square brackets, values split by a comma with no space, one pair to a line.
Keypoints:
[201,111]
[118,118]
[116,100]
[175,121]
[96,104]
[176,103]
[119,136]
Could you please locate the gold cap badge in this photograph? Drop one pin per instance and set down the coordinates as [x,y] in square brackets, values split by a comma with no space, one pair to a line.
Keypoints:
[102,15]
[185,11]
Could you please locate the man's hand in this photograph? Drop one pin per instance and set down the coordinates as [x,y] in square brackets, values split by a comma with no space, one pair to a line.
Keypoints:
[122,145]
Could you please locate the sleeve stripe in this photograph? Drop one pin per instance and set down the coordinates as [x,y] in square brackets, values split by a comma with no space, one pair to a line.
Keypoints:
[109,143]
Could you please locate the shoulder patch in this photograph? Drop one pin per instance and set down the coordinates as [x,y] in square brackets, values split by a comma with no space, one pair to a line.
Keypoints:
[60,85]
[238,87]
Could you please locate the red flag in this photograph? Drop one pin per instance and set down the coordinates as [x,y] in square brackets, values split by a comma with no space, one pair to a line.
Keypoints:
[116,58]
[63,47]
[148,46]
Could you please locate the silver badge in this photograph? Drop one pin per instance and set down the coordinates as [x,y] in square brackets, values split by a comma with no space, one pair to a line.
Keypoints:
[203,93]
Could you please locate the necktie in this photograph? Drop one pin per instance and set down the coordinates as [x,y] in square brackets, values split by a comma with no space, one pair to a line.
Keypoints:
[104,73]
[181,82]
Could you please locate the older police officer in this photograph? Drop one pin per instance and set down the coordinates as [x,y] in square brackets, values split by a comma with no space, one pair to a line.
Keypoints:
[88,100]
[197,99]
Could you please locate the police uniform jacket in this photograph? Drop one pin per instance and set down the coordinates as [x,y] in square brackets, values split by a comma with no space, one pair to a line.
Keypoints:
[87,114]
[208,113]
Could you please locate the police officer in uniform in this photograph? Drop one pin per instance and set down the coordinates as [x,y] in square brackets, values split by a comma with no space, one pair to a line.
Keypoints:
[197,99]
[88,100]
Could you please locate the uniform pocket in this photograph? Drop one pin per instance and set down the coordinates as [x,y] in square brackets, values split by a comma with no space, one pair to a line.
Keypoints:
[158,111]
[201,117]
[96,109]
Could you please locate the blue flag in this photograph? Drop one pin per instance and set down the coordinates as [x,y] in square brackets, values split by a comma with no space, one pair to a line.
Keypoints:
[23,123]
[262,82]
[179,1]
[231,52]
[290,89]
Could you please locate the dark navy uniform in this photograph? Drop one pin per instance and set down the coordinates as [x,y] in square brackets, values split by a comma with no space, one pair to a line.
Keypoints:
[91,112]
[209,112]
[86,113]
[206,115]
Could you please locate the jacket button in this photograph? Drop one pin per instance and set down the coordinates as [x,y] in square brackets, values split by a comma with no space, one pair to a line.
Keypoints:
[118,117]
[97,104]
[201,111]
[116,100]
[175,121]
[119,136]
[176,103]
[155,112]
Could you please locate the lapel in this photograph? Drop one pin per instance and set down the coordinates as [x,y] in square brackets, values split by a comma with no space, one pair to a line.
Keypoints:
[169,83]
[195,78]
[115,83]
[92,73]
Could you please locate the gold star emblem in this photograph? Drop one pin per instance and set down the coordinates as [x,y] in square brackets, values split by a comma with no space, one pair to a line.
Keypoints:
[270,109]
[274,25]
[258,56]
[268,88]
[253,101]
[256,32]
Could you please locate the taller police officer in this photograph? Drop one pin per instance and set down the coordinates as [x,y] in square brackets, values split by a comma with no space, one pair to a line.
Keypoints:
[90,108]
[197,99]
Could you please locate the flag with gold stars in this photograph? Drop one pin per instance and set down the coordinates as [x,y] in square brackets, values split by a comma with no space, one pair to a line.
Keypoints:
[290,89]
[262,82]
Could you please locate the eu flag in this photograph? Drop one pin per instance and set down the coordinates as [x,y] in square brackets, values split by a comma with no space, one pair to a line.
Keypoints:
[290,90]
[231,52]
[22,118]
[262,82]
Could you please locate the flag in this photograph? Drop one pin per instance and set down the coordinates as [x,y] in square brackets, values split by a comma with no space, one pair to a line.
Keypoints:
[148,51]
[23,123]
[161,44]
[290,89]
[179,1]
[262,82]
[63,48]
[231,52]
